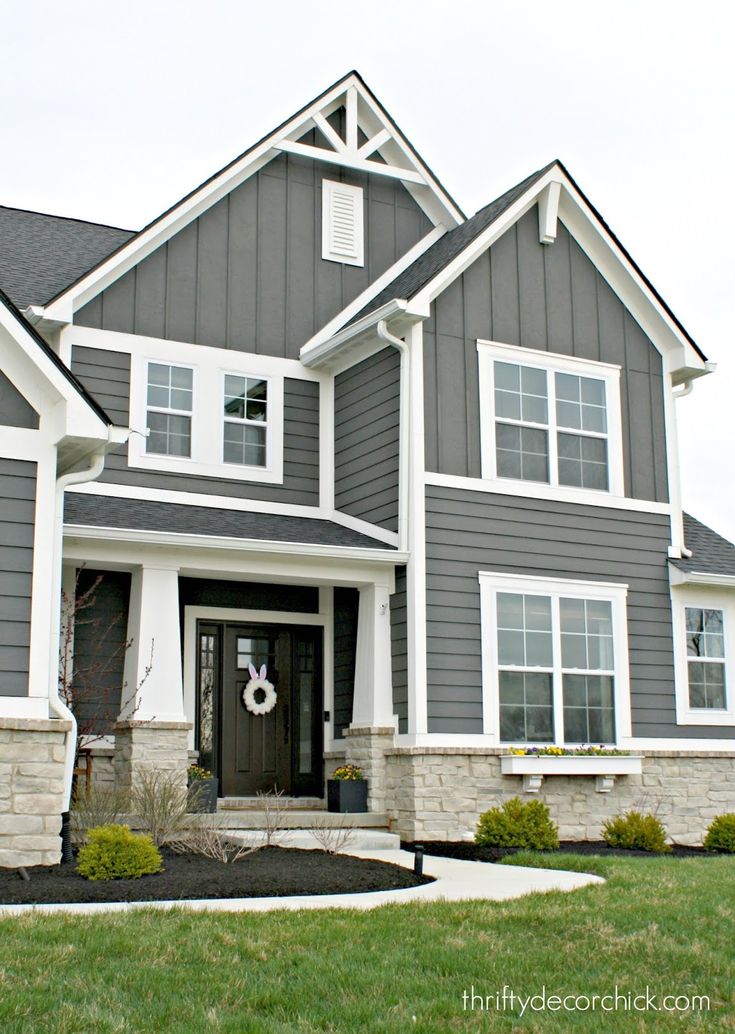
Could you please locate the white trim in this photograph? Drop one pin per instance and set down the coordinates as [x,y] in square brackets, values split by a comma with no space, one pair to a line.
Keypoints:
[43,668]
[532,490]
[417,704]
[326,444]
[323,619]
[216,542]
[24,707]
[491,583]
[345,245]
[689,595]
[548,212]
[475,741]
[430,196]
[679,577]
[551,363]
[365,528]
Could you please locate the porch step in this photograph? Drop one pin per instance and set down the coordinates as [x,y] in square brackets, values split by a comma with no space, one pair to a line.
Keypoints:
[360,840]
[254,803]
[297,819]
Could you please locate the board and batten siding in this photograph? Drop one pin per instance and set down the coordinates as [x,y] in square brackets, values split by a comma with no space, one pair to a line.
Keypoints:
[17,524]
[366,439]
[15,411]
[346,608]
[100,640]
[399,649]
[468,532]
[107,375]
[548,297]
[248,273]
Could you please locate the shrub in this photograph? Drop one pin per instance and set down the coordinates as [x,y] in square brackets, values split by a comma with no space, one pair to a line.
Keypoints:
[97,805]
[516,824]
[636,832]
[159,799]
[114,853]
[721,834]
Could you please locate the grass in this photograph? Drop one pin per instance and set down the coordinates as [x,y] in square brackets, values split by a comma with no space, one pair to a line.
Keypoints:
[665,923]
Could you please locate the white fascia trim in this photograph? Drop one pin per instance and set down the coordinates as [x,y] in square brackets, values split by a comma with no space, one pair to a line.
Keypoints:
[600,249]
[314,356]
[492,582]
[531,490]
[185,211]
[369,293]
[678,577]
[723,747]
[364,527]
[213,542]
[694,595]
[550,363]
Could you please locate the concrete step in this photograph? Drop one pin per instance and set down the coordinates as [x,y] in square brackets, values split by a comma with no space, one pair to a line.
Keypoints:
[359,840]
[289,803]
[295,819]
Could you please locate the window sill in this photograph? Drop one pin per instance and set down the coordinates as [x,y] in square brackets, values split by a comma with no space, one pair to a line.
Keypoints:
[703,717]
[606,769]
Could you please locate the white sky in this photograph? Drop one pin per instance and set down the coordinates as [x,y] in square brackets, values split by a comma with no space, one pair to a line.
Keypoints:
[112,111]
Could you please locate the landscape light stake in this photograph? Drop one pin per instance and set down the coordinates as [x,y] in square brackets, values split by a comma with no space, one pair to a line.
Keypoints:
[418,861]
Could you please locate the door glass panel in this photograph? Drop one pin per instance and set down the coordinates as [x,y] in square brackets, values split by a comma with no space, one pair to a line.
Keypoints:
[207,677]
[305,675]
[256,651]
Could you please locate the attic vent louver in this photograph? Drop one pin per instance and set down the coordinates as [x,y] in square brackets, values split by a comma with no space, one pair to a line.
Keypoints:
[342,223]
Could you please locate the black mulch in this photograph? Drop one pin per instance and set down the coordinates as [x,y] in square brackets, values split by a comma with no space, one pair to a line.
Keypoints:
[473,853]
[270,872]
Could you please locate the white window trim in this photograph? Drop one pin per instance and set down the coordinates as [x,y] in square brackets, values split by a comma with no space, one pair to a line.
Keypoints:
[711,599]
[206,430]
[329,188]
[491,584]
[490,351]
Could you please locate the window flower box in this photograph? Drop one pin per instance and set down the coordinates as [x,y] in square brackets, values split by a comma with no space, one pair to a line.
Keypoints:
[605,767]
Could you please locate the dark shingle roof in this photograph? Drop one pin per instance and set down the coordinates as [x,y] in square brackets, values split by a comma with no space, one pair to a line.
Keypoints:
[144,515]
[711,554]
[40,254]
[54,358]
[434,259]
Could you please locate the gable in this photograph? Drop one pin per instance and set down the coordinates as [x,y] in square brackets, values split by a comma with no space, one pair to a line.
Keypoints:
[15,411]
[549,297]
[248,274]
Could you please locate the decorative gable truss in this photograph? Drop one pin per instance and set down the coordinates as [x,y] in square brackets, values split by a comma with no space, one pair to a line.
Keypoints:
[348,127]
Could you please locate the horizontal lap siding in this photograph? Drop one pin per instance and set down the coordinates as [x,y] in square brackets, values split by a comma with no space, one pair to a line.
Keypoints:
[366,439]
[17,523]
[399,649]
[248,273]
[346,606]
[107,375]
[468,532]
[546,297]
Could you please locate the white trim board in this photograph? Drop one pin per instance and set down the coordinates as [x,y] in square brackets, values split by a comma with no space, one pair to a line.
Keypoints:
[709,597]
[474,741]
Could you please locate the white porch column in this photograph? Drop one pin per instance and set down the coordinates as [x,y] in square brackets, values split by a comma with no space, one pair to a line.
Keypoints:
[155,631]
[373,697]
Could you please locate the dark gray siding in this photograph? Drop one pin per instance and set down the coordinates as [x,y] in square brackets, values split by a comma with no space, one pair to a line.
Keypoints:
[366,439]
[547,297]
[107,376]
[467,532]
[100,636]
[399,649]
[346,606]
[14,410]
[17,522]
[248,274]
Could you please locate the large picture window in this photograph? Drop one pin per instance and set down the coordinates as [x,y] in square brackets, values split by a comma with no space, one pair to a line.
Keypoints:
[549,420]
[553,663]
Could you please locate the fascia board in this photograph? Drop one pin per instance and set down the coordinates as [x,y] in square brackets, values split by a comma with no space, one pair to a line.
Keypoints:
[679,577]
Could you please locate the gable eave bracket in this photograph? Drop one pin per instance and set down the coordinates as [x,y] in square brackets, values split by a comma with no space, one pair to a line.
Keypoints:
[548,212]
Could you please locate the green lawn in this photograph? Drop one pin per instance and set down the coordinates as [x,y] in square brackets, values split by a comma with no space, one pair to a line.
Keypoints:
[665,923]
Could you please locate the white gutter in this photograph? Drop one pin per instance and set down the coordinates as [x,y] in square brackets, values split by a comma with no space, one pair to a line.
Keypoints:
[318,354]
[404,427]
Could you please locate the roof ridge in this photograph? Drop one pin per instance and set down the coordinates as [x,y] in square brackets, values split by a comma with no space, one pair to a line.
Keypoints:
[67,218]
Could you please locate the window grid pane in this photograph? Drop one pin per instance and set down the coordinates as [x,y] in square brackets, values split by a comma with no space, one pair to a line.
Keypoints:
[706,639]
[245,407]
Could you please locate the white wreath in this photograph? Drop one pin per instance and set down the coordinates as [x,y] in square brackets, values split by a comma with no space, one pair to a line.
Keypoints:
[259,681]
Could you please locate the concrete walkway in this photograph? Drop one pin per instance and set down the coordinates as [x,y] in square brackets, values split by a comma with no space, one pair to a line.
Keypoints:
[454,881]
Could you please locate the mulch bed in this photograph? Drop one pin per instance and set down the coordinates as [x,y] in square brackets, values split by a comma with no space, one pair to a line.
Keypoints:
[270,872]
[473,853]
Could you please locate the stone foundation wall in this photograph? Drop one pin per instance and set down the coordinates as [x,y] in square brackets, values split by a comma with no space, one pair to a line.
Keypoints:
[440,793]
[151,746]
[367,747]
[32,754]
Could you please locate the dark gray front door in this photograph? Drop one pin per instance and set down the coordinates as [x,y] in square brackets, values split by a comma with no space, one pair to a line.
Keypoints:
[281,750]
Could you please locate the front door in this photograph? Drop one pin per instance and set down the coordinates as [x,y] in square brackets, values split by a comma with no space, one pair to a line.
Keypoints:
[280,750]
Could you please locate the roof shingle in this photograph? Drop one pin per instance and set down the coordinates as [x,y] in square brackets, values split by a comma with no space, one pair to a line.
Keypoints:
[711,554]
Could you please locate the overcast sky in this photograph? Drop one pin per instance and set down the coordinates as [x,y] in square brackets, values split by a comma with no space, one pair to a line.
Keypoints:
[112,111]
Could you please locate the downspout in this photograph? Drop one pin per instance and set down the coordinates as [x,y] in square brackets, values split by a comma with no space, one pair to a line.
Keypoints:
[57,706]
[404,428]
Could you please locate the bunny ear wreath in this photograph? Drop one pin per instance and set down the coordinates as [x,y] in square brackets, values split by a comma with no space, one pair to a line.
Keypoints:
[258,681]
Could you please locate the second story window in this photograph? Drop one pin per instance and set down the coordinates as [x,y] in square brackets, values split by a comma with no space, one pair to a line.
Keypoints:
[169,404]
[550,420]
[245,421]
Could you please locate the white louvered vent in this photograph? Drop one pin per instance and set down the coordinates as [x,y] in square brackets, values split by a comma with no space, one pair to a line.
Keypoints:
[342,223]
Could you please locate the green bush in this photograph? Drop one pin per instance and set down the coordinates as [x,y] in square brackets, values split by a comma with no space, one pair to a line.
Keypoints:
[721,834]
[636,832]
[516,824]
[114,853]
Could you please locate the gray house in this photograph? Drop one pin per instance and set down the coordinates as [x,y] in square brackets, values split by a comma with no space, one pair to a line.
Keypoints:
[422,468]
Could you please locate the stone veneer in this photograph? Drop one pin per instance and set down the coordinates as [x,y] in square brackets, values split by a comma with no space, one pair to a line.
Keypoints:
[32,755]
[368,747]
[148,746]
[439,793]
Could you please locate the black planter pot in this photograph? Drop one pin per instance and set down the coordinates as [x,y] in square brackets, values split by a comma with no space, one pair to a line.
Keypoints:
[203,795]
[347,795]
